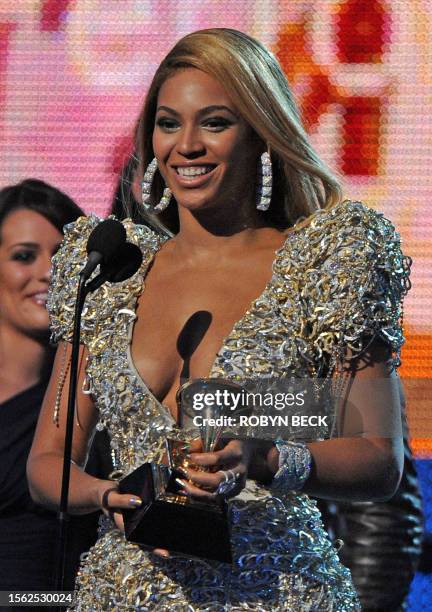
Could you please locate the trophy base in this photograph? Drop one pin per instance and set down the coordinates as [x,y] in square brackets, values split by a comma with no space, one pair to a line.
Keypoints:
[168,520]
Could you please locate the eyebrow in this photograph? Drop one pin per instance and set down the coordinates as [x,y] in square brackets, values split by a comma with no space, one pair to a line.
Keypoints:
[32,245]
[29,245]
[203,111]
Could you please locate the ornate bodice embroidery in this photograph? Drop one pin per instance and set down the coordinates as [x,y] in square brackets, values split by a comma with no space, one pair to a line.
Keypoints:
[337,281]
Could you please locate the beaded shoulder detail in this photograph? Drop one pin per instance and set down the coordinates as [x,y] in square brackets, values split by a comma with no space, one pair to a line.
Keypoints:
[346,274]
[337,283]
[98,309]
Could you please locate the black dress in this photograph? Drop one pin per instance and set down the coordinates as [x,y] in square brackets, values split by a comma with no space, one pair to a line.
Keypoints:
[28,533]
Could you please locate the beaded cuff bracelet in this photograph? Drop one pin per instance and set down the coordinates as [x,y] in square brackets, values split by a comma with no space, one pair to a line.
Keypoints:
[295,464]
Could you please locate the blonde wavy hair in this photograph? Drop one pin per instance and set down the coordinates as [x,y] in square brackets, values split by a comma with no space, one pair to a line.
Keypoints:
[256,84]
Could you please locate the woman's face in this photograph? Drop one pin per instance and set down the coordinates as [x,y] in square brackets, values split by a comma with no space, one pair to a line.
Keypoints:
[206,152]
[27,243]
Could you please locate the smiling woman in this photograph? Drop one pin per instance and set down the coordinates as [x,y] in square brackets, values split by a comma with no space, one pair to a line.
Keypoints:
[28,241]
[292,282]
[32,216]
[246,80]
[206,151]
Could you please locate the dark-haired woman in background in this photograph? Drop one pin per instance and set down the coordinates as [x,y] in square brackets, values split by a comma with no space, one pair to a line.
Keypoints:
[32,216]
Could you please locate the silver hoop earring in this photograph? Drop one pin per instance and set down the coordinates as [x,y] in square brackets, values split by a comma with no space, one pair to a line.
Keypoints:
[146,190]
[265,182]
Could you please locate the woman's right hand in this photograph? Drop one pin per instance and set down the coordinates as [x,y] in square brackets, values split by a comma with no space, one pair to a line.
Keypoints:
[112,502]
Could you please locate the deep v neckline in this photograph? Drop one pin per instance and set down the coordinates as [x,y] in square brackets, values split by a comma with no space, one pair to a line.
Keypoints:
[146,269]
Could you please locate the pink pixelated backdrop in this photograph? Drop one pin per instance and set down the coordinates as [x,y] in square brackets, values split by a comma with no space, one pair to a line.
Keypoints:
[73,75]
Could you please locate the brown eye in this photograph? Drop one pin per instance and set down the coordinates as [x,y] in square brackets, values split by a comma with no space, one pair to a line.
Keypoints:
[26,257]
[217,124]
[167,124]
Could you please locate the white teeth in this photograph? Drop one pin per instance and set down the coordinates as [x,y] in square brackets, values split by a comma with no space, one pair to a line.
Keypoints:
[193,170]
[40,298]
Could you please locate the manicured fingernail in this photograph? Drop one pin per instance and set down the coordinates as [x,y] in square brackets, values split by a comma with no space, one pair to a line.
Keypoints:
[134,502]
[181,483]
[193,457]
[182,471]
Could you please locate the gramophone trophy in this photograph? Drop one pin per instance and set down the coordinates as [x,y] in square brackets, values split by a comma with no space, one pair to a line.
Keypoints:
[166,519]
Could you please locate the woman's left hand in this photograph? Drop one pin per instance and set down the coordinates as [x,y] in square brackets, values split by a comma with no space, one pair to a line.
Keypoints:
[228,470]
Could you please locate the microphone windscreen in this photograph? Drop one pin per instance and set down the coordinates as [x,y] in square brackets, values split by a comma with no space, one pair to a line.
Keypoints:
[107,238]
[127,262]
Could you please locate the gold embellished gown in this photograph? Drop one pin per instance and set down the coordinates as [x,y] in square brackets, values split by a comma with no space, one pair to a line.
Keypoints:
[339,281]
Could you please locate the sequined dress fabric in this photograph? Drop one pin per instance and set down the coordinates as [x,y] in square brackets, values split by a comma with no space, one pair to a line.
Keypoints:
[339,281]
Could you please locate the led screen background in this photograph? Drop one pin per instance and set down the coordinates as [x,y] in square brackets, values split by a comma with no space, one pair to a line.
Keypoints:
[73,76]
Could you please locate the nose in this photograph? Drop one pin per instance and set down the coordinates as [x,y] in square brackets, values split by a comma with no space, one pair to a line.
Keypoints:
[190,144]
[44,267]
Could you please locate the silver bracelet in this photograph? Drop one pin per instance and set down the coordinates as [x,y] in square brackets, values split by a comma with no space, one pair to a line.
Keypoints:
[295,465]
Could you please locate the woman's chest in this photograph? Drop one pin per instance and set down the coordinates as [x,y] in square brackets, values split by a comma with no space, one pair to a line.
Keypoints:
[258,345]
[183,320]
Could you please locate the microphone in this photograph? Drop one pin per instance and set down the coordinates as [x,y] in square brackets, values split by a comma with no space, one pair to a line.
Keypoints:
[103,243]
[127,261]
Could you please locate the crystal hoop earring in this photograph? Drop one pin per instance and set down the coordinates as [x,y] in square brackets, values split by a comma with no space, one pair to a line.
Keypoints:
[146,190]
[265,182]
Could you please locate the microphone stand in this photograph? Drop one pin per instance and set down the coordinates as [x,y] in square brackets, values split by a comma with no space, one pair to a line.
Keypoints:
[128,261]
[73,377]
